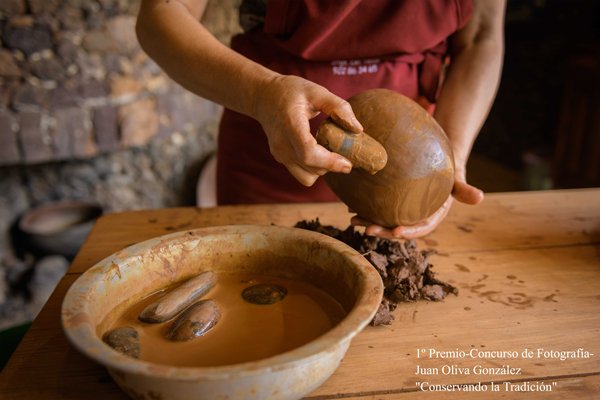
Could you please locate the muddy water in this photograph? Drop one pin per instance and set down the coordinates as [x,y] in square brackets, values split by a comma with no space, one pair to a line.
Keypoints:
[245,332]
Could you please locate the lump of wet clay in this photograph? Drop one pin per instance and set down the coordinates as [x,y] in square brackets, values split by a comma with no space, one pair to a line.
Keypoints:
[419,173]
[264,294]
[179,298]
[195,321]
[384,315]
[405,270]
[125,340]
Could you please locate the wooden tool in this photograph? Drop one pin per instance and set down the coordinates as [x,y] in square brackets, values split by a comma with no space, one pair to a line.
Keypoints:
[361,149]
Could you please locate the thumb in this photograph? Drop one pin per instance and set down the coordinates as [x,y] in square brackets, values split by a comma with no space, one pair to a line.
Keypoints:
[466,193]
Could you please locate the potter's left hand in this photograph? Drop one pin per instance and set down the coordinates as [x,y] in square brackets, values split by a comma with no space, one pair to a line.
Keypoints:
[461,191]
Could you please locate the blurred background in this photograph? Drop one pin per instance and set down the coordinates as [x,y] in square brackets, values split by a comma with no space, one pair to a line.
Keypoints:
[90,125]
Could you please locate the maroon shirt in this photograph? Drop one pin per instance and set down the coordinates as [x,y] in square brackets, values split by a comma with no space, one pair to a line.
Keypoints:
[345,46]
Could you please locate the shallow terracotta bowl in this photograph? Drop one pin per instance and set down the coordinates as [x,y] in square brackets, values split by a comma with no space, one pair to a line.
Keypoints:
[128,275]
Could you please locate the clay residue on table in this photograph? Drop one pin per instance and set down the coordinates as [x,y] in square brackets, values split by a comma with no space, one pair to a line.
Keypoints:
[405,270]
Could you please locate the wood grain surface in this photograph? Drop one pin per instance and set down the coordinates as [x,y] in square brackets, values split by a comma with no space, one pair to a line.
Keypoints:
[527,266]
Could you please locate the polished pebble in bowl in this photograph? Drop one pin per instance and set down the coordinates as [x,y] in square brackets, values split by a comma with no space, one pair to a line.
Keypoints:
[196,321]
[264,294]
[125,340]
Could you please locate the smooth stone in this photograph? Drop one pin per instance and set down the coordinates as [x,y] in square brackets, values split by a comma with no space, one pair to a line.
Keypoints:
[264,294]
[125,340]
[196,321]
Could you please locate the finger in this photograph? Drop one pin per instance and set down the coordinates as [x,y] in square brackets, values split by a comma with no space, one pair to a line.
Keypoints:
[376,230]
[306,178]
[316,157]
[339,110]
[424,227]
[312,155]
[371,229]
[344,117]
[417,230]
[379,231]
[412,232]
[466,193]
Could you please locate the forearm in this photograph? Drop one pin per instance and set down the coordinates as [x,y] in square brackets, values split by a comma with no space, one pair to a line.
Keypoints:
[467,96]
[469,89]
[172,35]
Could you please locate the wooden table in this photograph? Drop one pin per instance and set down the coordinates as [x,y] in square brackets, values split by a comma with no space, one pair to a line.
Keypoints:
[527,265]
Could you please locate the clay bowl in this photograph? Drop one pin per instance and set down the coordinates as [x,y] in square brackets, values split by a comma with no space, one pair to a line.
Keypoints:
[125,277]
[419,174]
[58,228]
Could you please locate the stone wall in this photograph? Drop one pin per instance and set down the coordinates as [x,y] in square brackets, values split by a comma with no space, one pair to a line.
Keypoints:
[75,83]
[86,115]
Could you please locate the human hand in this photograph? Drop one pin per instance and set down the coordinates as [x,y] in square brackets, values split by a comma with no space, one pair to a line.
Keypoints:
[285,105]
[461,191]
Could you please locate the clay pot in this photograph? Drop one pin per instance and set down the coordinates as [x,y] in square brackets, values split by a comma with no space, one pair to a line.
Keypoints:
[124,278]
[58,228]
[419,173]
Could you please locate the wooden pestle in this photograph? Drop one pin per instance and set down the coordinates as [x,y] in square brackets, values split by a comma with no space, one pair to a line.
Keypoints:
[361,149]
[179,299]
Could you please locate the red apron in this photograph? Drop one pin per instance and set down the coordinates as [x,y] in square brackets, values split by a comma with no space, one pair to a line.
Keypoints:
[345,46]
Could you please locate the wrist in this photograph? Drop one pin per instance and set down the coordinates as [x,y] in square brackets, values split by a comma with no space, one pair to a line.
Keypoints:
[256,97]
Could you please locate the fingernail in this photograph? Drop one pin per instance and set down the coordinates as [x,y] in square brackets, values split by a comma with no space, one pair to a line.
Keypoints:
[346,167]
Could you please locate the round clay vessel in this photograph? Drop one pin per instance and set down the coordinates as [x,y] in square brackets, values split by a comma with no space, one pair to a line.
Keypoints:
[58,228]
[419,173]
[125,277]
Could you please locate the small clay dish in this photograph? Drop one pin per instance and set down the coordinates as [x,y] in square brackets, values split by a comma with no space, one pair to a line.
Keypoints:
[58,228]
[127,276]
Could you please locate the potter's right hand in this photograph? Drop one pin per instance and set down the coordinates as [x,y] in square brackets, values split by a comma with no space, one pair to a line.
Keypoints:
[284,106]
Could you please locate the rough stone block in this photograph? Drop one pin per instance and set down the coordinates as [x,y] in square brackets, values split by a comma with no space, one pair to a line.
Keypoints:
[91,66]
[98,41]
[66,95]
[3,98]
[76,124]
[42,6]
[171,116]
[61,135]
[71,18]
[8,65]
[27,39]
[106,128]
[93,89]
[12,7]
[138,122]
[121,29]
[165,122]
[48,69]
[124,85]
[9,150]
[7,91]
[35,140]
[29,98]
[66,49]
